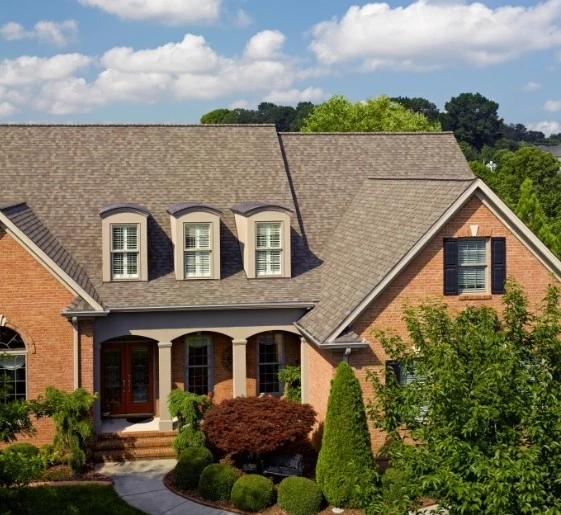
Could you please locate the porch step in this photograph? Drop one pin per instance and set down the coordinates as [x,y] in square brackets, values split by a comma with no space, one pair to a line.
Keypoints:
[134,446]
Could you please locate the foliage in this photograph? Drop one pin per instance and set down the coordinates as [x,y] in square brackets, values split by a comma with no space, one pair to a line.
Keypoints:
[189,408]
[253,493]
[397,493]
[291,376]
[474,119]
[192,461]
[345,458]
[484,410]
[73,425]
[66,500]
[216,481]
[19,464]
[338,114]
[419,105]
[257,424]
[299,496]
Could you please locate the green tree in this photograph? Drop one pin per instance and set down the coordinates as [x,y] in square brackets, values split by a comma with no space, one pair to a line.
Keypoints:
[380,114]
[345,463]
[530,211]
[419,105]
[483,408]
[474,119]
[215,117]
[303,110]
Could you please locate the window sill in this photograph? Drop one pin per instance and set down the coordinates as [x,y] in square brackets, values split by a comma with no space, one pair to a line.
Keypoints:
[475,296]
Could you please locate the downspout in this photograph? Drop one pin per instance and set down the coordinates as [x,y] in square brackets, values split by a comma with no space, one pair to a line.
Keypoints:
[76,353]
[346,355]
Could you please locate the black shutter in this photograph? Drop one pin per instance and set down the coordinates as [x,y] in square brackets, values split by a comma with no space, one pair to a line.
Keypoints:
[450,266]
[498,265]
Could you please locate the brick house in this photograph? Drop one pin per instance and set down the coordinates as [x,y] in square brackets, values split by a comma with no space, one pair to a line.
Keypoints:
[137,259]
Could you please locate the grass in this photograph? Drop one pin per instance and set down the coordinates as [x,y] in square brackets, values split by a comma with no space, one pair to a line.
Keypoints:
[65,500]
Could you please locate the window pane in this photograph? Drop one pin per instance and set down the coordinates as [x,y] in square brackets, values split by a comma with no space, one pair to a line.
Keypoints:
[197,370]
[118,237]
[132,264]
[197,236]
[197,264]
[12,372]
[118,265]
[269,235]
[472,252]
[131,237]
[472,278]
[268,262]
[124,237]
[269,363]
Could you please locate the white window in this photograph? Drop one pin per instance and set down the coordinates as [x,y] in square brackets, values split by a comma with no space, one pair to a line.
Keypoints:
[269,359]
[198,248]
[472,265]
[124,251]
[13,361]
[269,248]
[198,363]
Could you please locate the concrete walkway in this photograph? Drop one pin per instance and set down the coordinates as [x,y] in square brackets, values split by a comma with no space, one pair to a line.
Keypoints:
[140,484]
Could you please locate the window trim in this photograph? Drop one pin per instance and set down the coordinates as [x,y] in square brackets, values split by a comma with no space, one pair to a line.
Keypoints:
[198,250]
[279,341]
[125,252]
[209,365]
[485,266]
[268,250]
[5,350]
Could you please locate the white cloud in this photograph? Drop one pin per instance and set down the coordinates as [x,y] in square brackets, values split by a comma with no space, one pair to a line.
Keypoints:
[425,35]
[173,12]
[265,44]
[552,105]
[190,55]
[239,104]
[7,109]
[547,127]
[531,86]
[54,33]
[242,19]
[293,96]
[27,70]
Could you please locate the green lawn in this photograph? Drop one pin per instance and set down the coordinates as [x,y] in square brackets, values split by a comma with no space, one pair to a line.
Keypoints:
[65,500]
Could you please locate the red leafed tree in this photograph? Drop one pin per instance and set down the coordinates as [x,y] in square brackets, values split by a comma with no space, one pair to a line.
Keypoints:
[257,424]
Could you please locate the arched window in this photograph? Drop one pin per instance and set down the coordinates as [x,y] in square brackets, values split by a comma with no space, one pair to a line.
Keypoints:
[198,363]
[13,361]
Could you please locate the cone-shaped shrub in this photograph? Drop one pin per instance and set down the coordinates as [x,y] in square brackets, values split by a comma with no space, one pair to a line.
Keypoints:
[345,458]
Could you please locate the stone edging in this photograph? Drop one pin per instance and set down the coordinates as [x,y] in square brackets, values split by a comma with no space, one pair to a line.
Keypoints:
[72,483]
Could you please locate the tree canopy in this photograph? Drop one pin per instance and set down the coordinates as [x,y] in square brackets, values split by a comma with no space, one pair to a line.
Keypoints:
[419,105]
[338,114]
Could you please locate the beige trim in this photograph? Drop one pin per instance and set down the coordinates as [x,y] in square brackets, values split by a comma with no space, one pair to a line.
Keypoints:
[178,240]
[498,208]
[67,281]
[164,384]
[239,361]
[125,217]
[245,227]
[305,370]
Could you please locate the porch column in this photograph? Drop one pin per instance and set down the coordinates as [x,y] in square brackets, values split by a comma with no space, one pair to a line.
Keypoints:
[164,382]
[305,370]
[239,366]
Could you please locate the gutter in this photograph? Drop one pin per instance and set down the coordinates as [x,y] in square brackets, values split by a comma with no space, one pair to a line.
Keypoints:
[76,353]
[346,346]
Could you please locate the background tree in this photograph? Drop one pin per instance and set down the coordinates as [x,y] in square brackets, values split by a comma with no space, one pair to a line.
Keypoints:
[345,463]
[483,408]
[419,105]
[380,114]
[474,119]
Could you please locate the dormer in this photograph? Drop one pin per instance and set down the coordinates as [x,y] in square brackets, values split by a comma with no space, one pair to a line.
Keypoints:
[124,233]
[195,233]
[264,235]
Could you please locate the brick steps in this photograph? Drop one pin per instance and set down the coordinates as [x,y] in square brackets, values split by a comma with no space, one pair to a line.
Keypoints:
[134,446]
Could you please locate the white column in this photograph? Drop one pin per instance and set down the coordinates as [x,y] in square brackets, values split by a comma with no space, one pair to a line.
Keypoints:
[164,381]
[240,367]
[305,370]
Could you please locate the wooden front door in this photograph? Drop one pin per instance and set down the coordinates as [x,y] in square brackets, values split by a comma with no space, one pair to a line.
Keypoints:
[127,378]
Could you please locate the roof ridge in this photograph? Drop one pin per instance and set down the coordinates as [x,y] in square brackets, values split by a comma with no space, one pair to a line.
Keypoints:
[435,179]
[387,133]
[74,125]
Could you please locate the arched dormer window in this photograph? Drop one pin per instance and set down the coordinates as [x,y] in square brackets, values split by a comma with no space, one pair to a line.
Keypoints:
[195,230]
[125,242]
[13,364]
[264,234]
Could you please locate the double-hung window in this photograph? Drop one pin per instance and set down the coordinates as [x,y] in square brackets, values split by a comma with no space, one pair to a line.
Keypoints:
[472,265]
[13,361]
[198,248]
[268,249]
[269,349]
[198,363]
[124,251]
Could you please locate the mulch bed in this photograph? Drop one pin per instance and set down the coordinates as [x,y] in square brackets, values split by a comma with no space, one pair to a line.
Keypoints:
[64,475]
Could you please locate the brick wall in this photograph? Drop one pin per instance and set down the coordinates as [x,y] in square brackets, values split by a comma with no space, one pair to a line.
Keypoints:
[31,300]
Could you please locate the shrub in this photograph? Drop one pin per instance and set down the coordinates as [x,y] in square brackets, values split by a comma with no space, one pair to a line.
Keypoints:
[345,467]
[397,491]
[189,408]
[257,424]
[20,463]
[71,414]
[299,496]
[216,481]
[253,493]
[291,376]
[192,462]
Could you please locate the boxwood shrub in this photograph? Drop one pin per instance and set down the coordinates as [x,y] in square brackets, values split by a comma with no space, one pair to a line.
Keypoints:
[253,493]
[20,463]
[192,461]
[299,496]
[216,481]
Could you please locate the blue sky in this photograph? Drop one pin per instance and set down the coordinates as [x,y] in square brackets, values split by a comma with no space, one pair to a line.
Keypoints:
[170,61]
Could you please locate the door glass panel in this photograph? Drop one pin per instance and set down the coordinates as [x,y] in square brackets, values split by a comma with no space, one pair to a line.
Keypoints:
[140,376]
[112,377]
